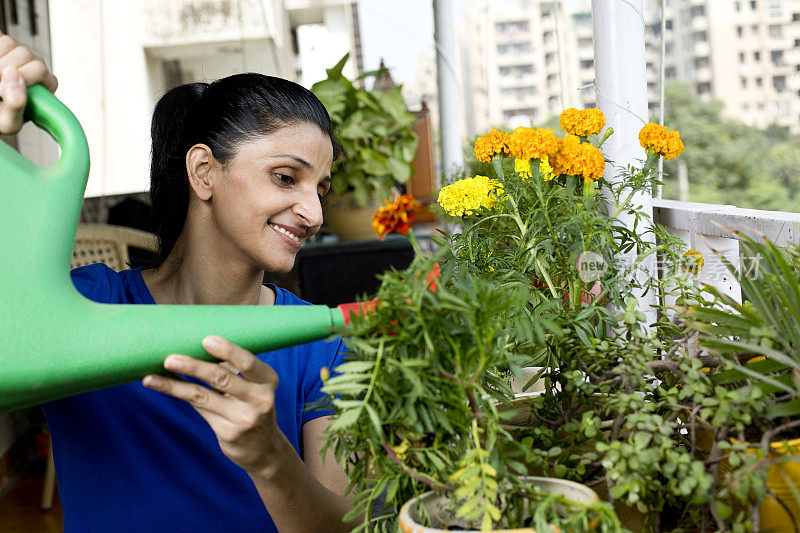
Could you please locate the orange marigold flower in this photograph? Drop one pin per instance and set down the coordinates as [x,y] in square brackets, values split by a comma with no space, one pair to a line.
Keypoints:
[575,158]
[661,141]
[395,216]
[582,123]
[532,143]
[494,142]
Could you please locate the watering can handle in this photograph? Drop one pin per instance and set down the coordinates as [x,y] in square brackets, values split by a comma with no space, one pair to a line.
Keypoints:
[47,112]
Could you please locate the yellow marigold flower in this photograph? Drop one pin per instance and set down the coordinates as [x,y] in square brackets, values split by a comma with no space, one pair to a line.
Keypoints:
[661,141]
[531,143]
[523,168]
[575,158]
[470,195]
[545,170]
[494,142]
[692,262]
[582,123]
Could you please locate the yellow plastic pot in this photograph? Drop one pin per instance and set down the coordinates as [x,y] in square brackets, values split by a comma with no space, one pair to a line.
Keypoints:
[781,511]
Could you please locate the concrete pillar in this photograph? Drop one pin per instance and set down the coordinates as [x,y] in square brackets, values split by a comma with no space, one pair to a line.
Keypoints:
[449,95]
[620,74]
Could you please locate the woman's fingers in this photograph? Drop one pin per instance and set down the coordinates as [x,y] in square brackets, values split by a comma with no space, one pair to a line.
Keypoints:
[12,91]
[30,66]
[200,397]
[19,68]
[245,362]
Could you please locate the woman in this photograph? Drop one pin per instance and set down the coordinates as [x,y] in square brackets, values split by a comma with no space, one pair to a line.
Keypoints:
[238,170]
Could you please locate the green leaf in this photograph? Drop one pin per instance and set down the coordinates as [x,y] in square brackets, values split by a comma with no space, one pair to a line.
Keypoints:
[355,367]
[345,420]
[789,408]
[400,171]
[723,510]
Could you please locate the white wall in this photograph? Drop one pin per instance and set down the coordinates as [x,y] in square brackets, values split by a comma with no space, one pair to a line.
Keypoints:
[103,79]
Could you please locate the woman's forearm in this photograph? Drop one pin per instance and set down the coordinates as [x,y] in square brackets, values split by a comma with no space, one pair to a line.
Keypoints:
[295,499]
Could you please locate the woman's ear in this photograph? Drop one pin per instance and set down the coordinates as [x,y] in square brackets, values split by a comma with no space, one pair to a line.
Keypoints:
[199,162]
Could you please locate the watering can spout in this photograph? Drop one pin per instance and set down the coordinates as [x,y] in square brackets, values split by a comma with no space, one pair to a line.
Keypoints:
[56,342]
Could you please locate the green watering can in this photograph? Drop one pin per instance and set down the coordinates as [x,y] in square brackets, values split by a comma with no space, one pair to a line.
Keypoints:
[55,342]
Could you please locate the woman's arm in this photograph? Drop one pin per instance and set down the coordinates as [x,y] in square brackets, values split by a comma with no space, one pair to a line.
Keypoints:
[240,411]
[19,68]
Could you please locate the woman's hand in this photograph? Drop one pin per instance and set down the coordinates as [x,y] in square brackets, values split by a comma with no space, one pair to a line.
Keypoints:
[19,69]
[239,407]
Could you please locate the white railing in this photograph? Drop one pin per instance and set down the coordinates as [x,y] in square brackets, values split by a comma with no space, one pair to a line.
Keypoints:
[706,228]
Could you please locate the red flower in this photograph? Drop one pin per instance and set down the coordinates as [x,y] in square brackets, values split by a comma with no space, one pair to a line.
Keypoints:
[395,216]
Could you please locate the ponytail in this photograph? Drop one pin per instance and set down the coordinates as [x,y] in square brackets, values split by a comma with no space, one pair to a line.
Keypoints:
[169,184]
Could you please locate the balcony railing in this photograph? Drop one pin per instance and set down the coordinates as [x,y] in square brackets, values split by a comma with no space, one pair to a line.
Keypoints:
[707,227]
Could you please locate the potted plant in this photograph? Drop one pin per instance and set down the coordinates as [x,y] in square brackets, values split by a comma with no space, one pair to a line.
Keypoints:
[535,276]
[757,346]
[374,129]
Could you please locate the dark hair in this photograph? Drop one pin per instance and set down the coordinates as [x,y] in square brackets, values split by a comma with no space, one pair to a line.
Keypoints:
[222,115]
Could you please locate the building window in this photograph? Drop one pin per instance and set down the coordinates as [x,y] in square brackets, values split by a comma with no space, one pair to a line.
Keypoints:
[697,11]
[775,31]
[777,57]
[587,63]
[779,83]
[744,83]
[513,29]
[702,62]
[759,82]
[753,4]
[737,6]
[671,73]
[582,19]
[754,29]
[741,57]
[774,8]
[703,88]
[757,56]
[585,42]
[781,108]
[668,24]
[700,36]
[739,31]
[549,58]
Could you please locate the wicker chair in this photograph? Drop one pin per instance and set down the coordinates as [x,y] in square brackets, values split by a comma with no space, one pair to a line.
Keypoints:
[101,243]
[98,243]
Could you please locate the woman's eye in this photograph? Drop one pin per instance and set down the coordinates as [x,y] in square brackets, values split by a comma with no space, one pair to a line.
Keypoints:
[285,179]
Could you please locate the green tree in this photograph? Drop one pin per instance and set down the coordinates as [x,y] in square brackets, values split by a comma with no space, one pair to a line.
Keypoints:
[728,161]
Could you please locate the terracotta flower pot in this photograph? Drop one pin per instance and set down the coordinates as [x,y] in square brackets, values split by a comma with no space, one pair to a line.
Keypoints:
[348,220]
[436,506]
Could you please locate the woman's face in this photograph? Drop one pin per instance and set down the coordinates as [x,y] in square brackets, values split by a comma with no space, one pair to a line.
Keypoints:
[266,199]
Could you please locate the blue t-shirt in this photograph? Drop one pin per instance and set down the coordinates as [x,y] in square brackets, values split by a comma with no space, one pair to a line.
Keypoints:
[133,459]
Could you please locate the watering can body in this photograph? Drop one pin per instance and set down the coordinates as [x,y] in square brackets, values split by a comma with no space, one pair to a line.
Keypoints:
[57,343]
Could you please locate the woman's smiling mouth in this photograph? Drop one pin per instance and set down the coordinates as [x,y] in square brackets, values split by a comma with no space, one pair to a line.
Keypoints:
[283,230]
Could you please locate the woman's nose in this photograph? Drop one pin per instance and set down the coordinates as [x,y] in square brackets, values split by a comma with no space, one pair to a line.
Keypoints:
[309,208]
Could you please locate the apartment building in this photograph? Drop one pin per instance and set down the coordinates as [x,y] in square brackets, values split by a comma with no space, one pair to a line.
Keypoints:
[114,59]
[527,60]
[745,53]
